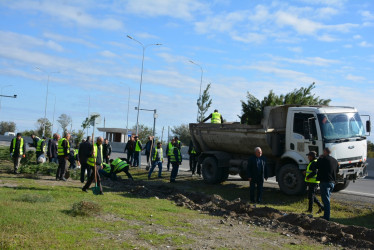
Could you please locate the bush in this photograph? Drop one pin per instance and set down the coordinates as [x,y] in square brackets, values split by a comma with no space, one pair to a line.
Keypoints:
[85,208]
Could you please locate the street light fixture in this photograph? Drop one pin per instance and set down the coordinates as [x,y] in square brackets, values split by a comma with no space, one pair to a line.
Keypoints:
[201,82]
[155,115]
[46,97]
[141,77]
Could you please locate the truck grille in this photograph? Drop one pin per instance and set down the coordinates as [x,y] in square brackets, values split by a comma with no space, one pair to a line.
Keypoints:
[350,159]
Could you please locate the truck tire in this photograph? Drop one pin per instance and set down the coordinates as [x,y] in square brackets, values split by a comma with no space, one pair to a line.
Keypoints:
[225,174]
[290,180]
[341,186]
[243,174]
[212,174]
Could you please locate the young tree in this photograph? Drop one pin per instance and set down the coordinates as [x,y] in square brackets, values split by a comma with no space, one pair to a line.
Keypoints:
[144,132]
[88,122]
[64,121]
[78,136]
[252,110]
[40,127]
[203,103]
[183,133]
[7,127]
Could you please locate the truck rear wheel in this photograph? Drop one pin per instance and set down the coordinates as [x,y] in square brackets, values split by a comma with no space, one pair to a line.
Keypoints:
[290,180]
[243,174]
[212,174]
[341,186]
[225,174]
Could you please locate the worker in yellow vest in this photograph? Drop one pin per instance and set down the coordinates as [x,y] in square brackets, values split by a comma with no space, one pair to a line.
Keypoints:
[63,151]
[311,181]
[214,117]
[17,150]
[157,160]
[98,159]
[138,150]
[169,152]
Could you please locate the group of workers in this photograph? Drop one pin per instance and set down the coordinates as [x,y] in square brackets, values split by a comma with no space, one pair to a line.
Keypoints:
[321,171]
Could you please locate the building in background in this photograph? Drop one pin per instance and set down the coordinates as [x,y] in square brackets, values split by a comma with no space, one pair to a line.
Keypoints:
[116,134]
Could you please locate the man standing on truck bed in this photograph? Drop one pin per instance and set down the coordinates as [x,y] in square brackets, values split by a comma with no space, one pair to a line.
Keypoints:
[257,171]
[327,167]
[215,117]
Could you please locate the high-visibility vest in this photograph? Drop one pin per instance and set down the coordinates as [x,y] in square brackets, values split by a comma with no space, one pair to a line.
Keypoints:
[92,159]
[155,154]
[170,147]
[137,147]
[308,171]
[60,148]
[20,146]
[193,151]
[118,165]
[107,168]
[39,146]
[172,157]
[75,152]
[216,117]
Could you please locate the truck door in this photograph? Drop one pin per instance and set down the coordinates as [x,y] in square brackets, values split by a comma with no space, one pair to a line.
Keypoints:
[304,136]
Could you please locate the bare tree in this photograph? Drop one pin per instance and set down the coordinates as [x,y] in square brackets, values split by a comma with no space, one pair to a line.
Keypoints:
[64,121]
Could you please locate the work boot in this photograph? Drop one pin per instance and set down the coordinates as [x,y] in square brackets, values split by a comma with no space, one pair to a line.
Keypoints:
[84,190]
[320,210]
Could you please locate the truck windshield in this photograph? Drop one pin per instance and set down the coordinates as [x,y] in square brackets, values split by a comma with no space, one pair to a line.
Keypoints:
[341,126]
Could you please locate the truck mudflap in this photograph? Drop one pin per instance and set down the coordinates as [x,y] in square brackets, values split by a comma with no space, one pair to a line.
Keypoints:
[353,173]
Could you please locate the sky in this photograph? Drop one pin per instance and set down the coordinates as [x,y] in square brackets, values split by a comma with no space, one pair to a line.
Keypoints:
[83,48]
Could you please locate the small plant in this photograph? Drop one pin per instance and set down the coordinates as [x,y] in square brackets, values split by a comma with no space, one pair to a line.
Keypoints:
[85,208]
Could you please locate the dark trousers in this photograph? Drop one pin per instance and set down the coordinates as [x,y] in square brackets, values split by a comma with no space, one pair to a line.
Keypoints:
[312,189]
[137,159]
[194,164]
[148,154]
[37,154]
[62,167]
[168,165]
[174,171]
[91,178]
[84,167]
[130,157]
[252,190]
[106,159]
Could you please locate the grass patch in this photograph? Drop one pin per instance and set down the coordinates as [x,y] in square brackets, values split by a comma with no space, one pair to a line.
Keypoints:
[33,198]
[85,208]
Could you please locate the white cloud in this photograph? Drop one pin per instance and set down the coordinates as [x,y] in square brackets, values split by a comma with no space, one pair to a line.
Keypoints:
[367,15]
[61,38]
[248,37]
[68,13]
[314,61]
[296,49]
[357,37]
[107,53]
[365,44]
[326,38]
[181,9]
[355,78]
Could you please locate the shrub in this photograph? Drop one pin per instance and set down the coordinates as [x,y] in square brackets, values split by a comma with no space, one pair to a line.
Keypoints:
[85,208]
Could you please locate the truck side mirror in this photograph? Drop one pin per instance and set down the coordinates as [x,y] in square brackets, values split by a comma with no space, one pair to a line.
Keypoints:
[368,126]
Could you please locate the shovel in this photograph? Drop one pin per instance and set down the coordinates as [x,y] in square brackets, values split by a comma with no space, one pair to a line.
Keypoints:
[95,189]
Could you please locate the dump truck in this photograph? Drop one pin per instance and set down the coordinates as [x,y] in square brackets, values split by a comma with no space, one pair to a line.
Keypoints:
[286,134]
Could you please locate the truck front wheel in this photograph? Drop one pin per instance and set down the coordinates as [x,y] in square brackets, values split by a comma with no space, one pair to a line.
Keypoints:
[290,180]
[212,174]
[341,186]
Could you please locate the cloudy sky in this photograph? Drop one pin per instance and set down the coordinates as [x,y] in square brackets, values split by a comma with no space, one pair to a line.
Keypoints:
[241,46]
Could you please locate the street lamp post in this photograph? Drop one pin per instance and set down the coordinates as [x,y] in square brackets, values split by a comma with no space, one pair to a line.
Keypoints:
[154,118]
[1,93]
[46,97]
[141,77]
[201,82]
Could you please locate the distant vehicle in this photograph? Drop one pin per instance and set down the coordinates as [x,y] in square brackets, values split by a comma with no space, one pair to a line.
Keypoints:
[10,134]
[286,135]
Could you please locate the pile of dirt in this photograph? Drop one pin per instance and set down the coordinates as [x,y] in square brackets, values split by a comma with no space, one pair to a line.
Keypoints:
[299,224]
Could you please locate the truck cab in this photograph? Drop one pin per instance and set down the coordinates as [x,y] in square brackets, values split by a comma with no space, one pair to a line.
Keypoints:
[314,128]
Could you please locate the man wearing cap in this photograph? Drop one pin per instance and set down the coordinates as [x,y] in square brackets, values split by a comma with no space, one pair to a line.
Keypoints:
[215,117]
[311,181]
[138,150]
[17,150]
[327,167]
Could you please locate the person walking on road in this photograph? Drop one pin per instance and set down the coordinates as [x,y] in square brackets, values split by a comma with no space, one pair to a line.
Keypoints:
[148,148]
[63,151]
[95,158]
[138,150]
[129,148]
[85,151]
[17,151]
[214,117]
[257,172]
[312,183]
[193,160]
[157,160]
[107,151]
[169,152]
[327,167]
[176,160]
